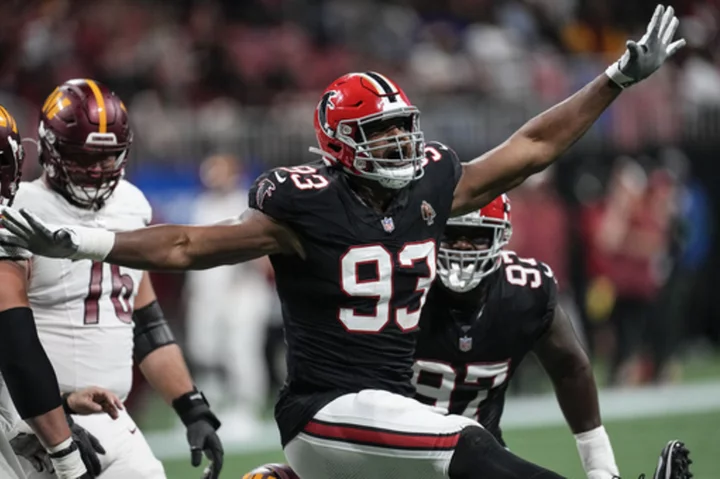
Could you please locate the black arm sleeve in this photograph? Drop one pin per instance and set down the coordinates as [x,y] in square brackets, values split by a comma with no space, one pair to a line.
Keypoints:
[151,331]
[25,366]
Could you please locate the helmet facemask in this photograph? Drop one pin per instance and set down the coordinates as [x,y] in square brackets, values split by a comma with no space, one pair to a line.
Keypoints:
[392,160]
[10,171]
[86,175]
[463,269]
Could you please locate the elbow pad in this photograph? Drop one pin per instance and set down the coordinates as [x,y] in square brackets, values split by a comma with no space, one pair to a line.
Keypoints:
[151,331]
[29,375]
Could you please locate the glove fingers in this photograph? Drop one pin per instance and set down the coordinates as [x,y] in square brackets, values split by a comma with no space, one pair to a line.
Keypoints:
[655,21]
[9,239]
[36,462]
[670,32]
[675,47]
[195,456]
[94,464]
[15,224]
[96,444]
[666,19]
[36,223]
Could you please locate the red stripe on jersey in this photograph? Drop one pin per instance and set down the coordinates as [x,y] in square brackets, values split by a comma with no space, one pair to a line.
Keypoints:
[381,437]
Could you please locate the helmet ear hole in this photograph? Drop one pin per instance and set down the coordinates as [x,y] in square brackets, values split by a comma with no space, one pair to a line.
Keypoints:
[334,147]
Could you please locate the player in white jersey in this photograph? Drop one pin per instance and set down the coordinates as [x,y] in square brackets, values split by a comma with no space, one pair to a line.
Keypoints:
[94,318]
[28,376]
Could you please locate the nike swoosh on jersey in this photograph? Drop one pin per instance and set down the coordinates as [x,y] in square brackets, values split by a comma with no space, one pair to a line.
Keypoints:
[281,179]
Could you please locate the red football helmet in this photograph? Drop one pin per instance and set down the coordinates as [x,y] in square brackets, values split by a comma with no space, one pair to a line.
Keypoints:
[353,109]
[12,155]
[84,139]
[489,230]
[272,471]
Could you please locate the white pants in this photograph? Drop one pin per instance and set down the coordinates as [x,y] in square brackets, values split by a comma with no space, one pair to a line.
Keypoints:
[128,454]
[376,435]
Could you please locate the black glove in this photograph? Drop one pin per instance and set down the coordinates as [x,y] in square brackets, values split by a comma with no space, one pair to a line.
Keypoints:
[28,446]
[201,424]
[89,447]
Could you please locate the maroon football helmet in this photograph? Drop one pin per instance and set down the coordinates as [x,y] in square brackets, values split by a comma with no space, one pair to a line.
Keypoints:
[271,471]
[11,157]
[84,139]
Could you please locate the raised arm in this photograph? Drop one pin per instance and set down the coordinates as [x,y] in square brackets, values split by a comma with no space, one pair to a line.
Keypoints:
[541,140]
[164,247]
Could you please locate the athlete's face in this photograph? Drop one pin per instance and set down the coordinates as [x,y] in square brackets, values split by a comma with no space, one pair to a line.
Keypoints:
[386,132]
[467,238]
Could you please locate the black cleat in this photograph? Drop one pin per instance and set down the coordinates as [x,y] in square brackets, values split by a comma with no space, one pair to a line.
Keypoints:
[674,462]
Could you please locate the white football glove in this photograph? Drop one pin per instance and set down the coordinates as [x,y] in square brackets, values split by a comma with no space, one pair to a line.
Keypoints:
[25,230]
[642,58]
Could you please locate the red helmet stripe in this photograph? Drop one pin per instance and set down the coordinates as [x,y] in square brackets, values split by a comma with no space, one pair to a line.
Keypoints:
[100,105]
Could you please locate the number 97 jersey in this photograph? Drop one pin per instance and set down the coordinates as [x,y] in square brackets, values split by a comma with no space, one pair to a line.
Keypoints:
[467,354]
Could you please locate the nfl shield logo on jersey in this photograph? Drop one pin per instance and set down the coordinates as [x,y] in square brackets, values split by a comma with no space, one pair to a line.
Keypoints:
[388,224]
[465,344]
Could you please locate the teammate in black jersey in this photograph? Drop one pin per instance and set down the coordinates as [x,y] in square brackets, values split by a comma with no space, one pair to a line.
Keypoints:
[352,239]
[488,309]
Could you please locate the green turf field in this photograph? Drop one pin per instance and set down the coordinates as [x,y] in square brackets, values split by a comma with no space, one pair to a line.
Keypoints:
[637,444]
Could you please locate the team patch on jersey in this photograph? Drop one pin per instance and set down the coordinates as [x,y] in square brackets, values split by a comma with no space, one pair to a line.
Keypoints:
[427,212]
[264,190]
[388,224]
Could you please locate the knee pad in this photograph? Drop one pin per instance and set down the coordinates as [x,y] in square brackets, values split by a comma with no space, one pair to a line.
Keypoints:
[479,455]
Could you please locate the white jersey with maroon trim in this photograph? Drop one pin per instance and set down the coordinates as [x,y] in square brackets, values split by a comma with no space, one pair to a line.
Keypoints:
[83,309]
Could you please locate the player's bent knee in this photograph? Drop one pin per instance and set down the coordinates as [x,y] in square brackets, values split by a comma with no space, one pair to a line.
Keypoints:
[478,455]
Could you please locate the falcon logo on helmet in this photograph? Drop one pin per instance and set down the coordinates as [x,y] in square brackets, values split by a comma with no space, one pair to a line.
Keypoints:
[489,230]
[12,156]
[366,124]
[84,139]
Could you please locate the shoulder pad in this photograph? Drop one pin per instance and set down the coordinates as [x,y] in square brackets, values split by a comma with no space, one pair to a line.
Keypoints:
[440,157]
[531,276]
[134,199]
[281,192]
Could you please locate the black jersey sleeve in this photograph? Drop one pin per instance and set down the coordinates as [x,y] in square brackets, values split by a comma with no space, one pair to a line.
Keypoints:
[442,162]
[531,292]
[547,301]
[289,194]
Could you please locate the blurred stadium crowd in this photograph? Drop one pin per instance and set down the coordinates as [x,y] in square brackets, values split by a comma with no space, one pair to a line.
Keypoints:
[218,90]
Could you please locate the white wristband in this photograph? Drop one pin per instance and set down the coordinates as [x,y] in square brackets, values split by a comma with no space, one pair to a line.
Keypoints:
[70,466]
[93,243]
[618,77]
[596,454]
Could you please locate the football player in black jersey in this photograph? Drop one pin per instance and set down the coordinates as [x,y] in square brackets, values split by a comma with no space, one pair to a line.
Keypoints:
[352,239]
[488,309]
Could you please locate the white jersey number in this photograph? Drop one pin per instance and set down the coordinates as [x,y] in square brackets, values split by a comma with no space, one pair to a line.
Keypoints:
[380,289]
[474,372]
[120,293]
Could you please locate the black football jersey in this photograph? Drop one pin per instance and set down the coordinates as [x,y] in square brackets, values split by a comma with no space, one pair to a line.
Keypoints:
[466,356]
[351,307]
